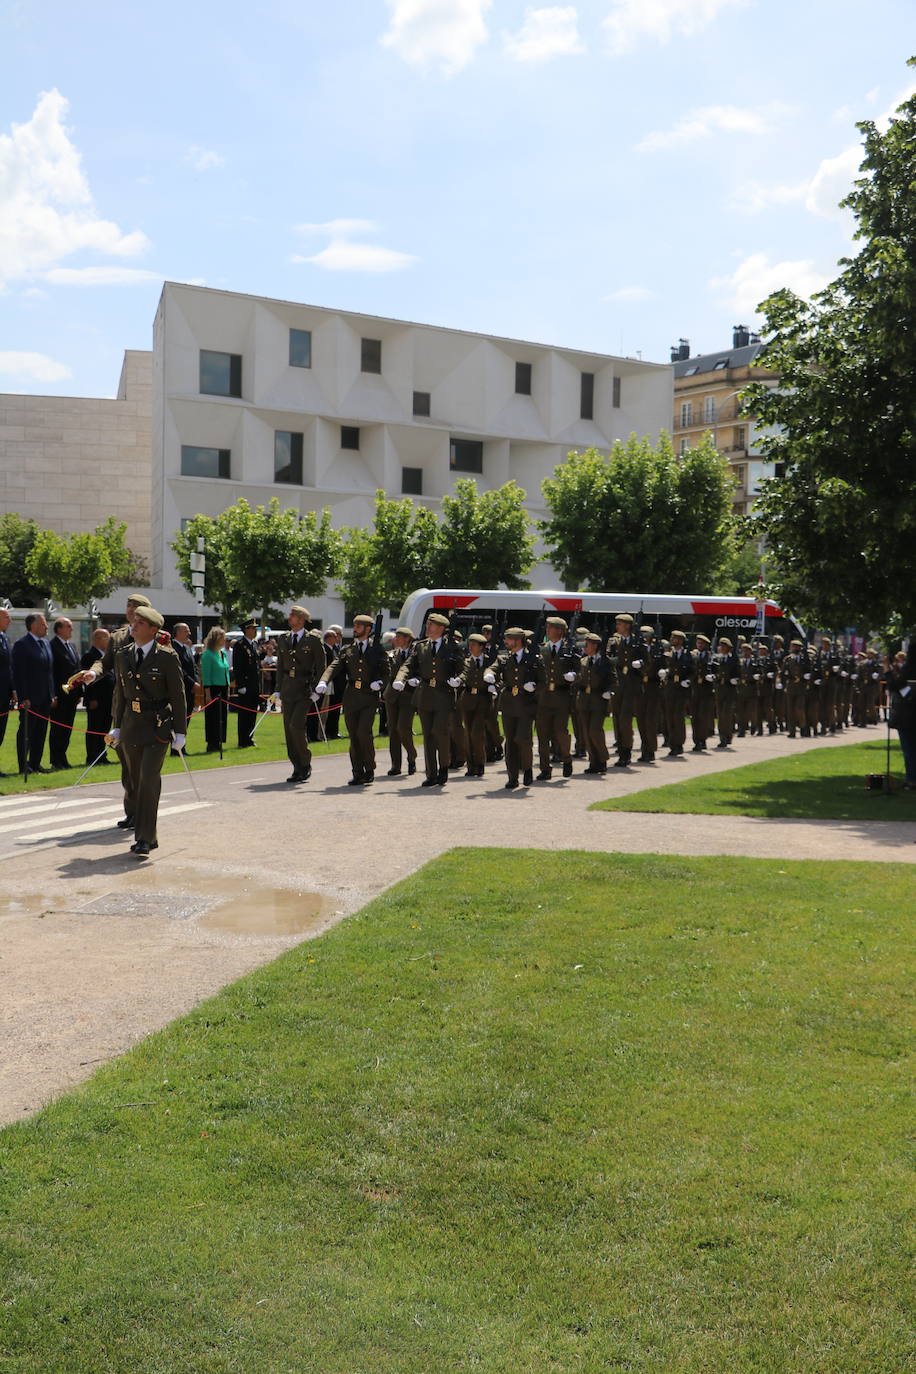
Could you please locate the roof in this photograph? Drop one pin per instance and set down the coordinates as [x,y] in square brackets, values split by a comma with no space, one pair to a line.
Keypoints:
[717,362]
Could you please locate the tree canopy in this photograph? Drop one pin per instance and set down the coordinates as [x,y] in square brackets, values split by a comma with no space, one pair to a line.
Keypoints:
[17,538]
[840,524]
[75,568]
[641,519]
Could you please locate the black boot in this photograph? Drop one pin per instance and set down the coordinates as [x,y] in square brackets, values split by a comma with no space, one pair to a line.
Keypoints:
[443,776]
[567,768]
[545,775]
[528,777]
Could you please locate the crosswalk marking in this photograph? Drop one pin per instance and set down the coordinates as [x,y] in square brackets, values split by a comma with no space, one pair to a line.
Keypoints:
[90,825]
[89,813]
[33,806]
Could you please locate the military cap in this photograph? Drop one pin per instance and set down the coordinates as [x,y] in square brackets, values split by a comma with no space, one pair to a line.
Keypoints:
[703,639]
[476,638]
[459,637]
[596,639]
[138,599]
[516,633]
[300,610]
[363,620]
[677,634]
[436,619]
[404,630]
[723,640]
[558,621]
[862,657]
[647,630]
[742,639]
[825,639]
[150,616]
[795,644]
[581,631]
[778,639]
[338,629]
[250,621]
[487,627]
[625,617]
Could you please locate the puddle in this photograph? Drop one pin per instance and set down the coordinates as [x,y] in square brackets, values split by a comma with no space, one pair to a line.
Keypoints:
[270,912]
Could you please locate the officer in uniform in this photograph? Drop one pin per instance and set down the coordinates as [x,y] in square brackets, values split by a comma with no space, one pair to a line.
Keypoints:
[627,653]
[434,666]
[829,672]
[300,663]
[813,683]
[871,679]
[365,668]
[400,707]
[703,703]
[148,714]
[678,677]
[247,673]
[518,673]
[777,654]
[793,670]
[727,670]
[596,687]
[648,703]
[474,704]
[580,750]
[561,671]
[494,738]
[748,705]
[766,689]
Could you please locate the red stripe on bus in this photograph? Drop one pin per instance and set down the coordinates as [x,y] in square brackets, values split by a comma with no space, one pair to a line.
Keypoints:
[732,608]
[453,603]
[565,603]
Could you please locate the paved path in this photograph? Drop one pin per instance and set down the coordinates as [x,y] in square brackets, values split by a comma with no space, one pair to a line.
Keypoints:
[97,950]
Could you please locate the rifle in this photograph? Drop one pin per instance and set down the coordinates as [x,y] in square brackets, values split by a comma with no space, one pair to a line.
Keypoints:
[571,633]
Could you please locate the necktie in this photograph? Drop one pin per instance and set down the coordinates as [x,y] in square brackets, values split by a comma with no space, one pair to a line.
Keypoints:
[139,657]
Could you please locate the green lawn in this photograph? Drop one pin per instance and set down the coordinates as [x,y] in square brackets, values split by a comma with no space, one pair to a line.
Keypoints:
[819,784]
[523,1113]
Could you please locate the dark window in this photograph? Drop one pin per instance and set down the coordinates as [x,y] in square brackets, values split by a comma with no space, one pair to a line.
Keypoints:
[465,455]
[523,379]
[615,393]
[300,348]
[421,403]
[779,469]
[349,436]
[204,462]
[412,481]
[220,373]
[371,355]
[587,396]
[288,457]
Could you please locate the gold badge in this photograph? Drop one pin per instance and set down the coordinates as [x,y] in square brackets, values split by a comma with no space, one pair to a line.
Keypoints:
[551,687]
[135,706]
[515,691]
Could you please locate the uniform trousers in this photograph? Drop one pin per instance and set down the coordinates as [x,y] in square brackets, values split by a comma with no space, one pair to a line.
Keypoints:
[494,738]
[726,701]
[593,715]
[624,710]
[143,755]
[359,715]
[678,701]
[552,722]
[703,712]
[296,706]
[401,712]
[246,705]
[648,705]
[518,734]
[435,721]
[458,744]
[475,711]
[795,710]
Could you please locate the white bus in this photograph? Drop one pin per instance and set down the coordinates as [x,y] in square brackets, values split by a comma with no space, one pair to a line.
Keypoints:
[710,615]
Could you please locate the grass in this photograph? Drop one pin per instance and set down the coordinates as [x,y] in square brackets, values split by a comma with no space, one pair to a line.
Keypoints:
[522,1113]
[820,784]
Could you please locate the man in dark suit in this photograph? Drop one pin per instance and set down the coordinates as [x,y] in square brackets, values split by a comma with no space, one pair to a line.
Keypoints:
[246,670]
[33,680]
[98,699]
[7,695]
[64,663]
[184,648]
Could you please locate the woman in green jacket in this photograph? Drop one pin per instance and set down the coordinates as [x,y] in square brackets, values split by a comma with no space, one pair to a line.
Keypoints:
[214,675]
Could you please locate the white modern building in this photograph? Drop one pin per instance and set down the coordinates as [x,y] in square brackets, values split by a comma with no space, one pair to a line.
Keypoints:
[259,398]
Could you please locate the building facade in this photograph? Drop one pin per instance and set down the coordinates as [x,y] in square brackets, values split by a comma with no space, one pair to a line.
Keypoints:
[707,397]
[259,398]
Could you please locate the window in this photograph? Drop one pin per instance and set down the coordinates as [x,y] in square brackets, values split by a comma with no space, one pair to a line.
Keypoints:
[741,436]
[412,481]
[690,372]
[220,373]
[615,393]
[779,469]
[523,379]
[371,355]
[587,396]
[465,455]
[683,447]
[349,436]
[204,462]
[288,457]
[300,348]
[740,471]
[709,410]
[720,365]
[686,413]
[421,403]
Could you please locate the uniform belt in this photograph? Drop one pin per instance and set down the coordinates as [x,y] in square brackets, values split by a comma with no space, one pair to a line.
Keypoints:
[149,706]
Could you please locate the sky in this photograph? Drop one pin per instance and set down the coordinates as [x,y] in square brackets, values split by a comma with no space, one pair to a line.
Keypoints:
[611,176]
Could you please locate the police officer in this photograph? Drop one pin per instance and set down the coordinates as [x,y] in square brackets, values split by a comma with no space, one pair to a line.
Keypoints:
[561,671]
[148,714]
[364,666]
[518,672]
[300,663]
[434,666]
[400,707]
[246,670]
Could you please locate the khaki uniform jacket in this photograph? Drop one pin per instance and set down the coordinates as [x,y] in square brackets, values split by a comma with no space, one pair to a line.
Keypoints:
[433,669]
[149,702]
[622,650]
[360,668]
[556,665]
[474,684]
[299,665]
[596,676]
[118,639]
[396,660]
[511,676]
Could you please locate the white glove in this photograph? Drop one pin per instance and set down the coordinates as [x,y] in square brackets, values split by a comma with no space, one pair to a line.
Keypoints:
[532,686]
[413,682]
[375,686]
[178,741]
[778,686]
[756,676]
[806,676]
[836,667]
[662,673]
[569,677]
[733,681]
[637,663]
[771,676]
[843,673]
[494,691]
[398,685]
[686,683]
[454,681]
[489,676]
[875,676]
[817,681]
[113,736]
[275,698]
[321,688]
[711,677]
[314,697]
[241,691]
[606,695]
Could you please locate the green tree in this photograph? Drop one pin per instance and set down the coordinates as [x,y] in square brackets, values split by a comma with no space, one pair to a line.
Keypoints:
[840,524]
[362,580]
[383,565]
[71,568]
[741,574]
[640,519]
[483,539]
[259,557]
[17,538]
[127,569]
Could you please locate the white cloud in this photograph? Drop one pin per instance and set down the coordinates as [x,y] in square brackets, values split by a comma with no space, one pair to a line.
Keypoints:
[630,293]
[631,21]
[46,207]
[203,159]
[339,228]
[752,197]
[100,276]
[439,33]
[756,278]
[340,256]
[546,33]
[710,119]
[34,367]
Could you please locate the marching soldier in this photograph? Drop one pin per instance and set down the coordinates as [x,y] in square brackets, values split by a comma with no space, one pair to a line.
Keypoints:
[494,738]
[793,670]
[148,715]
[434,666]
[649,700]
[748,699]
[400,707]
[561,670]
[777,654]
[579,726]
[766,689]
[871,679]
[474,704]
[246,669]
[364,666]
[677,675]
[829,673]
[728,672]
[627,653]
[703,703]
[812,679]
[518,673]
[300,664]
[596,687]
